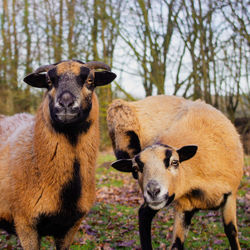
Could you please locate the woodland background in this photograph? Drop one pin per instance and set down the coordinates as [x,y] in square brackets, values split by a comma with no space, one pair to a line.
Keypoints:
[193,48]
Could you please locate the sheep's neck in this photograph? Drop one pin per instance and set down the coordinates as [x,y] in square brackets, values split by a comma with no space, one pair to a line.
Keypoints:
[51,147]
[183,182]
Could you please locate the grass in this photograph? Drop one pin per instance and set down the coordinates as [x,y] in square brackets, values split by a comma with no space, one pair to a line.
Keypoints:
[112,222]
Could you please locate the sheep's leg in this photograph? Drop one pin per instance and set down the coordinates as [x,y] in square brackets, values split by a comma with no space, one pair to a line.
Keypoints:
[28,236]
[146,215]
[65,243]
[229,221]
[181,225]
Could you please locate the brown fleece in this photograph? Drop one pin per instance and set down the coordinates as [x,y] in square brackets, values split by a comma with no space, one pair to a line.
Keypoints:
[35,162]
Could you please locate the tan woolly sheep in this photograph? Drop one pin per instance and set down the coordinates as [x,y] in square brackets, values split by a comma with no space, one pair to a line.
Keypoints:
[195,163]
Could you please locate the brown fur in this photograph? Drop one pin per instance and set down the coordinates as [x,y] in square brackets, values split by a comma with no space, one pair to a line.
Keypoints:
[35,162]
[219,155]
[217,167]
[148,118]
[120,119]
[69,66]
[215,170]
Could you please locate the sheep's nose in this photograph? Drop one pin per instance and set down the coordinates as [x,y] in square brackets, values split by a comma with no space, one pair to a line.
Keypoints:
[66,100]
[153,189]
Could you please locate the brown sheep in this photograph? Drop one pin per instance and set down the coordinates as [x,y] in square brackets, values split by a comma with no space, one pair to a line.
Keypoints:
[47,162]
[190,180]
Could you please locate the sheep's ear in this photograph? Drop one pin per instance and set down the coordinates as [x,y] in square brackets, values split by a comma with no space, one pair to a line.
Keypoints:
[187,152]
[36,80]
[103,77]
[123,165]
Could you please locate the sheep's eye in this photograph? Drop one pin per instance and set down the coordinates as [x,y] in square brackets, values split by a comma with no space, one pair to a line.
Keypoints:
[90,81]
[52,78]
[175,163]
[49,82]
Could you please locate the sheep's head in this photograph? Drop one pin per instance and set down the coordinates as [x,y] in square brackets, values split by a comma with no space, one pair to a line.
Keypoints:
[157,167]
[70,87]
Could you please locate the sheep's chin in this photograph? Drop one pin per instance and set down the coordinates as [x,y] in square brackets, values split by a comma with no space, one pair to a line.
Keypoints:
[156,206]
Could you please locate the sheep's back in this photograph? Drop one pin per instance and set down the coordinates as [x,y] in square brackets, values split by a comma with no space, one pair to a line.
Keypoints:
[12,124]
[148,118]
[157,114]
[220,153]
[13,130]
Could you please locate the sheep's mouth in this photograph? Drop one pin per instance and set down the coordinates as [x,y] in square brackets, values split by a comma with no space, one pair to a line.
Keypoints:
[155,204]
[159,204]
[67,117]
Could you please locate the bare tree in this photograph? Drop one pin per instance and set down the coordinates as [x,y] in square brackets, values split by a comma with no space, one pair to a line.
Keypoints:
[236,14]
[217,54]
[150,40]
[105,31]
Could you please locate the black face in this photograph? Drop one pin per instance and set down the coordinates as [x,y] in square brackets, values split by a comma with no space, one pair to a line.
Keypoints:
[70,87]
[67,104]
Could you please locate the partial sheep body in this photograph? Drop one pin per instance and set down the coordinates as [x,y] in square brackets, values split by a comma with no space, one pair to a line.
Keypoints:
[206,179]
[134,125]
[47,161]
[219,160]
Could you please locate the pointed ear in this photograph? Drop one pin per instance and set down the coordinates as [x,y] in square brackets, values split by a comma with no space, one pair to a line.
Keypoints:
[187,152]
[104,77]
[123,165]
[36,80]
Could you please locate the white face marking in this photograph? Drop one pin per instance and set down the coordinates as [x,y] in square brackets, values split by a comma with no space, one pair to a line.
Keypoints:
[57,105]
[77,104]
[156,177]
[154,171]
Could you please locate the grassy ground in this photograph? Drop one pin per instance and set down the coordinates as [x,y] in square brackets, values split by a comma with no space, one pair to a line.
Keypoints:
[112,222]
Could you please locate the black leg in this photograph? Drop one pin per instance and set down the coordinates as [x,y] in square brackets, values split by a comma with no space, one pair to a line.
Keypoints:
[229,221]
[188,216]
[146,215]
[181,225]
[231,234]
[178,244]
